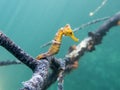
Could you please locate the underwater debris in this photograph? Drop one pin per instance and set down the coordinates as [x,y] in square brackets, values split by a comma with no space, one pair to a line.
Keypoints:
[98,8]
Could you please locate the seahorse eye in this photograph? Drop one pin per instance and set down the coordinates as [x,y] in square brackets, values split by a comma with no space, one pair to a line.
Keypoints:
[70,33]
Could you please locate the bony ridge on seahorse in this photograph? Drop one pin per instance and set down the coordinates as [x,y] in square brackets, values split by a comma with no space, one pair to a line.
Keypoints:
[54,49]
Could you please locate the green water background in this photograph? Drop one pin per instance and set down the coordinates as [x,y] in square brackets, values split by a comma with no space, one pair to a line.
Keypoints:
[31,23]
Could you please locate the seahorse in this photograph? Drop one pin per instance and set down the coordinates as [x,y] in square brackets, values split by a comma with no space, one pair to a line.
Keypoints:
[55,47]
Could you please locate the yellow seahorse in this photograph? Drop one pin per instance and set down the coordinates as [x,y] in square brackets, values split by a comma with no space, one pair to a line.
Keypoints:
[54,49]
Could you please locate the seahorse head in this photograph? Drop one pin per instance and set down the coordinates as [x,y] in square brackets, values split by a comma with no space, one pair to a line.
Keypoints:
[67,31]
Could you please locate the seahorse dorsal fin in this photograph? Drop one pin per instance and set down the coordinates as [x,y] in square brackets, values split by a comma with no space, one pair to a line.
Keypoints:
[67,25]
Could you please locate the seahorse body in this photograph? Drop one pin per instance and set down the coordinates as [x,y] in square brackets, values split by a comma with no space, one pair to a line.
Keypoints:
[54,49]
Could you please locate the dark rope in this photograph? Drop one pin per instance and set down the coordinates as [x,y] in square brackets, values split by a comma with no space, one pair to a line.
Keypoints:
[90,23]
[8,62]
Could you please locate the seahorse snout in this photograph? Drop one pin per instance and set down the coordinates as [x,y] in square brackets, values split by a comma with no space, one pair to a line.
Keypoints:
[74,38]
